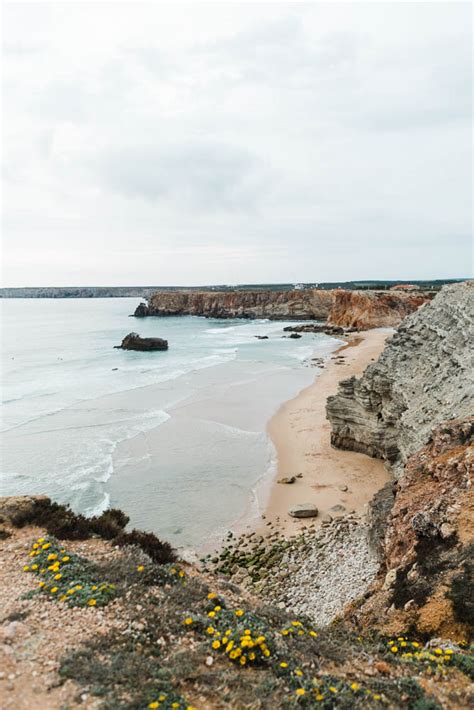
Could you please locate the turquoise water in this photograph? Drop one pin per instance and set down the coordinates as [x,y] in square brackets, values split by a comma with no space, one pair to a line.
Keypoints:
[158,434]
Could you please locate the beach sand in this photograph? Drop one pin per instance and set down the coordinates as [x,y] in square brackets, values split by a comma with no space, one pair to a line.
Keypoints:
[301,435]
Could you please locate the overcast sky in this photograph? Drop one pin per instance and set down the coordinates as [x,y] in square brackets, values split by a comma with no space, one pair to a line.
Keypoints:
[226,143]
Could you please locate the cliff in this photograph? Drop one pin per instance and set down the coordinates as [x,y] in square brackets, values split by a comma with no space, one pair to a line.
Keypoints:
[359,309]
[414,408]
[423,377]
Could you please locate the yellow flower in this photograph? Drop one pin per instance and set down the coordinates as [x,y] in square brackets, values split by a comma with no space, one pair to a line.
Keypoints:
[62,598]
[229,646]
[449,651]
[211,614]
[438,652]
[298,672]
[266,653]
[57,576]
[300,691]
[66,559]
[210,630]
[296,623]
[313,633]
[34,566]
[175,705]
[51,557]
[239,612]
[218,608]
[153,705]
[225,640]
[415,644]
[319,697]
[285,632]
[376,696]
[394,649]
[140,568]
[78,586]
[188,620]
[94,587]
[54,590]
[216,644]
[211,595]
[35,546]
[41,584]
[355,686]
[252,656]
[332,689]
[25,568]
[91,602]
[46,545]
[283,664]
[41,539]
[181,573]
[243,661]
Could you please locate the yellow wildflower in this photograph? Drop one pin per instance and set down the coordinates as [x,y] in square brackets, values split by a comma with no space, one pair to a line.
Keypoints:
[298,672]
[216,644]
[140,568]
[239,612]
[46,545]
[332,689]
[376,696]
[415,644]
[211,614]
[35,546]
[175,705]
[25,568]
[51,557]
[57,576]
[283,664]
[66,559]
[319,697]
[153,705]
[300,691]
[94,587]
[41,584]
[54,590]
[243,661]
[188,621]
[210,630]
[217,608]
[41,539]
[394,649]
[438,651]
[181,573]
[34,566]
[78,586]
[211,595]
[252,656]
[355,686]
[449,651]
[91,602]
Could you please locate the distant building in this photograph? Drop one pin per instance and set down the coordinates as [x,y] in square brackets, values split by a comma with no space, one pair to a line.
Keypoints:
[404,287]
[298,287]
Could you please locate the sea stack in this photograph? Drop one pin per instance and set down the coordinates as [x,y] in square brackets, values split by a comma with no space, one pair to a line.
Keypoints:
[133,341]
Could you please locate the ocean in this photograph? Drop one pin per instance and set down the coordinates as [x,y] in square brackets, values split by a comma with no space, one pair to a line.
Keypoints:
[177,439]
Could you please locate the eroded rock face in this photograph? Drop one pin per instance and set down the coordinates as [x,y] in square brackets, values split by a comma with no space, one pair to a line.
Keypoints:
[374,309]
[354,309]
[428,547]
[424,376]
[133,341]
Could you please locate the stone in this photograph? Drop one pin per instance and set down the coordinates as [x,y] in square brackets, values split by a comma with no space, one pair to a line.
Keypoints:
[338,508]
[447,530]
[141,310]
[287,479]
[133,341]
[343,488]
[390,579]
[303,510]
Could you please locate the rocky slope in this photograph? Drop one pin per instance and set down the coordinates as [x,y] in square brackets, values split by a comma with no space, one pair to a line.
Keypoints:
[359,309]
[424,376]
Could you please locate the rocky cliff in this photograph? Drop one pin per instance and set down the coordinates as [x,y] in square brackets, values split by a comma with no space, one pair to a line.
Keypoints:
[423,377]
[359,309]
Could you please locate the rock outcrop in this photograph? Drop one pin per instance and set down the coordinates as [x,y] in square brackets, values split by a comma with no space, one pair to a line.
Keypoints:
[428,542]
[424,376]
[339,308]
[133,341]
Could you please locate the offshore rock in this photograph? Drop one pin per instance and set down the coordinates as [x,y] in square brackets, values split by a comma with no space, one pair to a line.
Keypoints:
[141,310]
[133,341]
[423,377]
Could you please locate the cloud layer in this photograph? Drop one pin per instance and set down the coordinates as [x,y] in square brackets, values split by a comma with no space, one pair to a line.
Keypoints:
[173,144]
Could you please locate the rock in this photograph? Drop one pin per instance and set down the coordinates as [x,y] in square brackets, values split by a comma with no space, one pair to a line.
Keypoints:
[141,310]
[295,335]
[262,337]
[287,479]
[315,328]
[338,508]
[390,579]
[303,510]
[327,518]
[343,488]
[447,530]
[133,341]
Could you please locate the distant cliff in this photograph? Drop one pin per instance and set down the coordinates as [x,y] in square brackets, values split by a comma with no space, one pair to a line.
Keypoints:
[423,377]
[360,309]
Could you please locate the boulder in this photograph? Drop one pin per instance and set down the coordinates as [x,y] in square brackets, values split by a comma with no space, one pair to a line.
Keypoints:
[133,341]
[287,479]
[303,510]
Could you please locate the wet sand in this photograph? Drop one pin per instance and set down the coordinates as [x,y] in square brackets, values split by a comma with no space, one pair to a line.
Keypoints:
[301,435]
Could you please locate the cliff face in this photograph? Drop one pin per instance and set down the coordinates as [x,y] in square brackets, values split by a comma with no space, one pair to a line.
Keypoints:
[423,377]
[428,542]
[373,309]
[360,309]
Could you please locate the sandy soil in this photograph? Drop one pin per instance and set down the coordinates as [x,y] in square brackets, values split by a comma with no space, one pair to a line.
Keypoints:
[301,435]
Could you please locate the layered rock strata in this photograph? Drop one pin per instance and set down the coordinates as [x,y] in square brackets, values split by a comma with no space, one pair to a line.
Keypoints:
[424,376]
[353,309]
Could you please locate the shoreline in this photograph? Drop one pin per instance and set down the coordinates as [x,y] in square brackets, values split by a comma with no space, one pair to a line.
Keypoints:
[300,433]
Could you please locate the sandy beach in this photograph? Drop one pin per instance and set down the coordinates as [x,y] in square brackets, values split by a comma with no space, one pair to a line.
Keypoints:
[301,435]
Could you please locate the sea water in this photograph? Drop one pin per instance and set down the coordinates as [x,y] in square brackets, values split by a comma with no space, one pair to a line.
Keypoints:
[177,439]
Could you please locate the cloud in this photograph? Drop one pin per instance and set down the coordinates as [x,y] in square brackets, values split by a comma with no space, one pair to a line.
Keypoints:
[309,141]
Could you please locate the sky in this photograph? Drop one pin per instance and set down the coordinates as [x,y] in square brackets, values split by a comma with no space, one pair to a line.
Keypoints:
[220,143]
